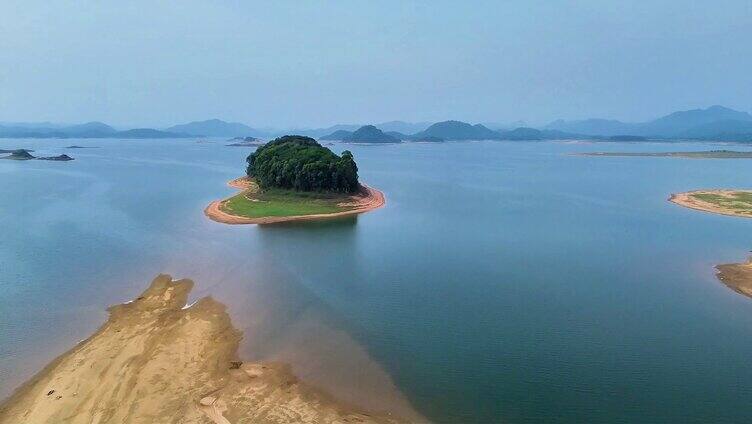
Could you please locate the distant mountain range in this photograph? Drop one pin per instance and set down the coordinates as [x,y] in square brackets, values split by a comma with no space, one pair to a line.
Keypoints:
[216,128]
[87,130]
[713,123]
[447,130]
[386,127]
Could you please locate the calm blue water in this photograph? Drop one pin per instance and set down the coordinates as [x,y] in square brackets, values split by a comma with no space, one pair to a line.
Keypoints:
[503,281]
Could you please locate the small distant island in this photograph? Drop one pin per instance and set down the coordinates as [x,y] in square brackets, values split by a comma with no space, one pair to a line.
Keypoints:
[23,154]
[627,138]
[724,202]
[294,178]
[370,134]
[364,134]
[245,142]
[709,154]
[428,139]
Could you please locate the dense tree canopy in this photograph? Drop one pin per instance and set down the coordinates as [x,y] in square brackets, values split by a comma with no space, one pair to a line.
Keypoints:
[300,163]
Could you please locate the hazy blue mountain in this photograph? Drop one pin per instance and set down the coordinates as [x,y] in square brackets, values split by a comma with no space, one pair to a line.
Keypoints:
[337,135]
[21,132]
[403,127]
[725,130]
[37,125]
[89,129]
[398,135]
[148,133]
[215,128]
[677,124]
[370,134]
[497,126]
[527,133]
[320,132]
[456,130]
[398,126]
[522,133]
[605,127]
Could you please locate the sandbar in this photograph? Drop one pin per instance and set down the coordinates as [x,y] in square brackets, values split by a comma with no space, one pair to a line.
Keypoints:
[157,360]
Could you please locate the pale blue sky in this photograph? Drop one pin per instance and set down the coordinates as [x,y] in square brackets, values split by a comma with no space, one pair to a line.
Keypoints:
[315,63]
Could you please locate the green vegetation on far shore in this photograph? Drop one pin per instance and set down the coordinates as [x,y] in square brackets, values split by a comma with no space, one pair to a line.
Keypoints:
[710,154]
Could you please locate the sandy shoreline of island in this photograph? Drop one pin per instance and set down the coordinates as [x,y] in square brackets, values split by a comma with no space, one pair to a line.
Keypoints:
[157,359]
[737,277]
[687,200]
[367,200]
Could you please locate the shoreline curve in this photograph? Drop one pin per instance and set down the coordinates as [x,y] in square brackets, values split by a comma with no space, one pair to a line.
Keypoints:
[686,200]
[368,199]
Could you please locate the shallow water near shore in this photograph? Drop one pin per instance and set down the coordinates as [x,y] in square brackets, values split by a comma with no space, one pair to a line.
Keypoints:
[503,281]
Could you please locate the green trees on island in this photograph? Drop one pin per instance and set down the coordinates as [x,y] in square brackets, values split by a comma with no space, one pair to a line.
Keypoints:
[300,163]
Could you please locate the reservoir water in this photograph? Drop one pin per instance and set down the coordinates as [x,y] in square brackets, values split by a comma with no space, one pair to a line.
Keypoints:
[502,282]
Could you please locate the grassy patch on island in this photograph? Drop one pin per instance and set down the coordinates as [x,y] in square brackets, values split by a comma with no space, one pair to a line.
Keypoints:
[738,201]
[279,202]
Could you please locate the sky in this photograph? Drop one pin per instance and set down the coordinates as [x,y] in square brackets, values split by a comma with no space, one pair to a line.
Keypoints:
[312,64]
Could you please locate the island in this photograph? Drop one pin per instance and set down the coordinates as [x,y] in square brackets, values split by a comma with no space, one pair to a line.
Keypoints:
[294,178]
[245,142]
[370,134]
[723,202]
[457,130]
[23,154]
[19,154]
[158,359]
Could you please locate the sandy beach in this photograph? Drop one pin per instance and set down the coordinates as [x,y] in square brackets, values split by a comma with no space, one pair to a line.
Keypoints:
[688,200]
[158,360]
[367,200]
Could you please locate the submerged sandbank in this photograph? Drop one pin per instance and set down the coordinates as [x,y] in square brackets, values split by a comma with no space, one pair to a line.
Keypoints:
[366,200]
[156,360]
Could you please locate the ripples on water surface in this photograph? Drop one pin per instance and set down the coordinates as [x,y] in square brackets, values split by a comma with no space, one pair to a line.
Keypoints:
[503,281]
